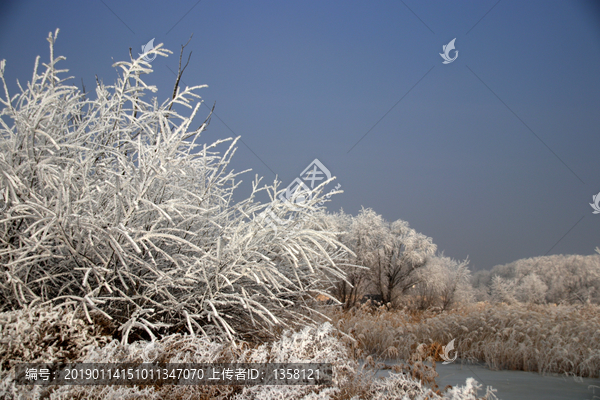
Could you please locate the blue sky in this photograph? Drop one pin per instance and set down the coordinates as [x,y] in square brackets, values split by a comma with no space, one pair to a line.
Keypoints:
[495,155]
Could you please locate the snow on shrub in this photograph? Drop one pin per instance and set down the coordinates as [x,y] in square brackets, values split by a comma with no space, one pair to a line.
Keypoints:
[320,344]
[116,206]
[45,334]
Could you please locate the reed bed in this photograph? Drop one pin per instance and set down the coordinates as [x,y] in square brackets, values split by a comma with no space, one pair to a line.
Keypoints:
[540,338]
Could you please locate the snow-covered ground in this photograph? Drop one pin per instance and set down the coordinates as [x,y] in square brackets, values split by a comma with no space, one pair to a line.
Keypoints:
[516,385]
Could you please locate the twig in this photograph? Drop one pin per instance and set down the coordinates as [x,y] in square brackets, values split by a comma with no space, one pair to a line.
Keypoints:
[180,71]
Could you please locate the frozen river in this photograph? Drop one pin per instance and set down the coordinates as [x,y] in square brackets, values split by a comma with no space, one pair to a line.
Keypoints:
[517,385]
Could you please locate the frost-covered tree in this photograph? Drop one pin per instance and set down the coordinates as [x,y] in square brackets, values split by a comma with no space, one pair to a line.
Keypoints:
[457,287]
[395,271]
[368,237]
[430,283]
[531,289]
[562,278]
[117,206]
[503,290]
[442,282]
[480,282]
[578,282]
[349,290]
[392,253]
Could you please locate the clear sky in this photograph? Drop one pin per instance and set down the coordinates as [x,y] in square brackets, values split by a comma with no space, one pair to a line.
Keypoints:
[495,155]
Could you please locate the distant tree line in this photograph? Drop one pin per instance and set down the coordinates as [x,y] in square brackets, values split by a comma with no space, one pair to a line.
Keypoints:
[558,279]
[391,263]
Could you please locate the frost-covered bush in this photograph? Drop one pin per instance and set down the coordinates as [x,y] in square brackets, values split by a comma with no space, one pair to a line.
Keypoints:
[442,283]
[117,206]
[46,334]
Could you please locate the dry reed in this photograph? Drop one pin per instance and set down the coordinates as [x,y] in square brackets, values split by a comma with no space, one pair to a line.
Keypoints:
[541,338]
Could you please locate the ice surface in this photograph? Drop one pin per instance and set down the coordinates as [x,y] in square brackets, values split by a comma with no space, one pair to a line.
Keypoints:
[517,385]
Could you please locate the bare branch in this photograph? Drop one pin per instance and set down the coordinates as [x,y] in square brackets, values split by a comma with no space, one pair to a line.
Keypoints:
[180,70]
